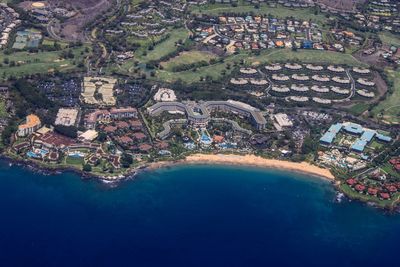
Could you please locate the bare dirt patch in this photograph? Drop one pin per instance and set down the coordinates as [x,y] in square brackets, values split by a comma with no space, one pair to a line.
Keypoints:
[73,28]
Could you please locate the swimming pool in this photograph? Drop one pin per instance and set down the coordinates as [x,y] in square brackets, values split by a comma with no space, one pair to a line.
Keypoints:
[205,138]
[76,155]
[33,155]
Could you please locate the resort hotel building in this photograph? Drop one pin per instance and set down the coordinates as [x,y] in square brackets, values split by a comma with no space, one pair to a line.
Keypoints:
[365,135]
[32,124]
[198,114]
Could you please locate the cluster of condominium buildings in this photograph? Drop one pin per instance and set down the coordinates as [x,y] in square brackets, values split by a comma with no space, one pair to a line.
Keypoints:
[99,115]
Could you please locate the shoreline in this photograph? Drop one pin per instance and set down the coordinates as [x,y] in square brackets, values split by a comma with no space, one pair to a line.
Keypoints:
[246,160]
[249,160]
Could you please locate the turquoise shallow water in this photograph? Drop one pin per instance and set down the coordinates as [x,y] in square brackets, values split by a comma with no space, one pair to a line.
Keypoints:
[188,216]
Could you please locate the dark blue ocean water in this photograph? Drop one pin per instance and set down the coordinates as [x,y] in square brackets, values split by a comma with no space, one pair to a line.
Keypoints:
[189,216]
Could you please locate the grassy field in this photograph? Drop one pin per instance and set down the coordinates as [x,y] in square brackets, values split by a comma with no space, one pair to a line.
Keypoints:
[143,55]
[244,7]
[359,108]
[33,63]
[268,56]
[74,161]
[355,195]
[3,110]
[388,168]
[50,42]
[165,47]
[390,39]
[389,109]
[187,58]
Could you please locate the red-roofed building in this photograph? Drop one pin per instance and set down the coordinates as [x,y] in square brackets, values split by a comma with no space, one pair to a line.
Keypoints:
[139,136]
[122,124]
[391,188]
[145,147]
[372,191]
[125,139]
[54,140]
[351,181]
[110,129]
[395,163]
[384,195]
[136,124]
[107,115]
[360,187]
[162,145]
[218,139]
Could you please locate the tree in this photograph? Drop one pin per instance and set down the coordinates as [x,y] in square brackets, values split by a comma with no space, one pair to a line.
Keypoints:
[69,131]
[309,146]
[87,168]
[102,137]
[126,160]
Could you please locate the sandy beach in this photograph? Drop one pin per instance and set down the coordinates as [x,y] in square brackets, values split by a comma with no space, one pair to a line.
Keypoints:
[252,160]
[249,160]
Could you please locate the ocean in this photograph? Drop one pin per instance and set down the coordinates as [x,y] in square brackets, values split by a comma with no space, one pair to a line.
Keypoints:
[189,216]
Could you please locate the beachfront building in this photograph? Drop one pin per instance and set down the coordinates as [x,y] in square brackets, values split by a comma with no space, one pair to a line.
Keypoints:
[198,114]
[365,135]
[31,124]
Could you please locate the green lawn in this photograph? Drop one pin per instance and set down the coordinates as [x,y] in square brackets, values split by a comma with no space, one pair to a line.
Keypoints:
[74,161]
[3,111]
[359,108]
[165,47]
[50,42]
[389,109]
[390,39]
[355,195]
[267,56]
[33,63]
[388,168]
[187,58]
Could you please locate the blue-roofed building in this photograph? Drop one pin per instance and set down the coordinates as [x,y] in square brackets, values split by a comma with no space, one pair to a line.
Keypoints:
[383,138]
[359,145]
[307,44]
[330,135]
[368,135]
[335,128]
[353,128]
[327,138]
